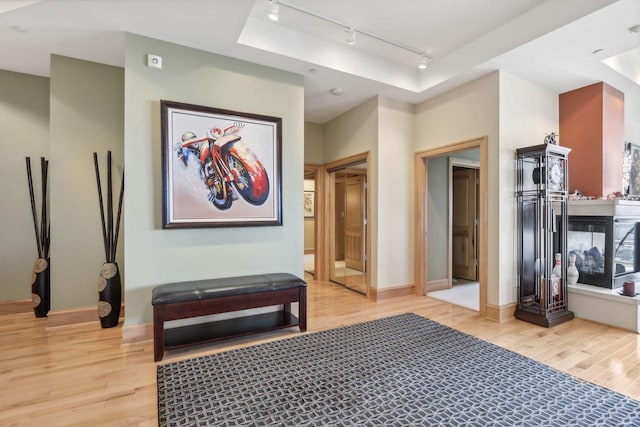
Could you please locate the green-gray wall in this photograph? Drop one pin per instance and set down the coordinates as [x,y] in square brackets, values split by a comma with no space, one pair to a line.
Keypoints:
[87,101]
[313,143]
[24,120]
[153,255]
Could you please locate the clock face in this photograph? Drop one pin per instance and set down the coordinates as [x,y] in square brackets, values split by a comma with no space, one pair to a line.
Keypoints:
[556,174]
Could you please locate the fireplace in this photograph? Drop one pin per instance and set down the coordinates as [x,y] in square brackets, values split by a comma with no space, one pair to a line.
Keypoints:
[605,237]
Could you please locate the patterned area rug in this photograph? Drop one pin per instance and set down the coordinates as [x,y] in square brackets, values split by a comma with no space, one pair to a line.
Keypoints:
[401,370]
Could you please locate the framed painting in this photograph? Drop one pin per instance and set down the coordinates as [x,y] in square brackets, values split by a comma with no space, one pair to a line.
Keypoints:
[309,204]
[220,168]
[631,170]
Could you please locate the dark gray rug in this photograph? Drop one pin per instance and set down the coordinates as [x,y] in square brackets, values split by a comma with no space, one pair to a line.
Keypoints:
[401,370]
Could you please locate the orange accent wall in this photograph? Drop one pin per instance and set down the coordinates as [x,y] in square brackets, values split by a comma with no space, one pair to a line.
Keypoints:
[592,125]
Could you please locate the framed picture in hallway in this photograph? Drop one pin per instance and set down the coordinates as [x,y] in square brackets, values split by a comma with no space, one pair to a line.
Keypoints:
[309,204]
[220,168]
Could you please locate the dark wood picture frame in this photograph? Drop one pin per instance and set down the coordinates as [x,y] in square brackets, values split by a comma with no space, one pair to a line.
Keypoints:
[220,168]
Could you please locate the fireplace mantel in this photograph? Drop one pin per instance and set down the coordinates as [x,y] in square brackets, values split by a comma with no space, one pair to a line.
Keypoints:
[615,207]
[605,306]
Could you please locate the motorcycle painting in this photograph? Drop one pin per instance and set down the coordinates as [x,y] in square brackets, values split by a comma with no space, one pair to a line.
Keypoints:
[221,168]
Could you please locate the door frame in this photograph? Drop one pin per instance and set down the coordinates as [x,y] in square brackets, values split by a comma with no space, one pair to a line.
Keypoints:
[328,232]
[420,221]
[468,164]
[318,257]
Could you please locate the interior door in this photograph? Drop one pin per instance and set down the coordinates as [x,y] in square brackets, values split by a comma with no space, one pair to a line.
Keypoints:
[354,223]
[463,239]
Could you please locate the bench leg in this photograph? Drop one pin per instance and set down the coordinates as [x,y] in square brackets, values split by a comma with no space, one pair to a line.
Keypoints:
[158,334]
[286,309]
[302,309]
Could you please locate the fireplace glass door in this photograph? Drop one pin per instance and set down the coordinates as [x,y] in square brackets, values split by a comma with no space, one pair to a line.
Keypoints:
[589,238]
[625,236]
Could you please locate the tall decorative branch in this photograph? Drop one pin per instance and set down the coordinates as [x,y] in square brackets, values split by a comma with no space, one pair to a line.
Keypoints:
[40,280]
[104,228]
[41,227]
[109,232]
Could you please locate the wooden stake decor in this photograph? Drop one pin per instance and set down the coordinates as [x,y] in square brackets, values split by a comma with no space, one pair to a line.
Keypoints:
[109,285]
[41,277]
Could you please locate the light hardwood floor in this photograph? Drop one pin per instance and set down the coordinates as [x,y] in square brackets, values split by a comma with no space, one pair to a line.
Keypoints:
[85,376]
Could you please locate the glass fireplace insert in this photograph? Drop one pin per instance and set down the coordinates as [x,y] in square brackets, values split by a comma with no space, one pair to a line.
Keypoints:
[606,249]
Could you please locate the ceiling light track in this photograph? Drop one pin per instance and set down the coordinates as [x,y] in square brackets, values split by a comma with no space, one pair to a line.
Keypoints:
[350,32]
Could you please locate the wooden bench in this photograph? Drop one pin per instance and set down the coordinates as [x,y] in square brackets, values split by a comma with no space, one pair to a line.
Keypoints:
[183,300]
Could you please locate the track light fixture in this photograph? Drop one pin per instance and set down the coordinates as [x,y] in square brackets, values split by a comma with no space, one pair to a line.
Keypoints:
[349,31]
[423,63]
[273,11]
[350,36]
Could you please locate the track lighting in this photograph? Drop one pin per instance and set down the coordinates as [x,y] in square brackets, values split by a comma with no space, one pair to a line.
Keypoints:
[273,11]
[422,64]
[349,31]
[350,36]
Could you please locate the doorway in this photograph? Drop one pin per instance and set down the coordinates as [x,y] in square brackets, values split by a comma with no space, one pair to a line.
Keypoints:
[452,246]
[347,213]
[313,222]
[463,287]
[464,193]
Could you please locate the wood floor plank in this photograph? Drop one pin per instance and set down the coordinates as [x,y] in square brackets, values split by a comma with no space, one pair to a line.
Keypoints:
[84,375]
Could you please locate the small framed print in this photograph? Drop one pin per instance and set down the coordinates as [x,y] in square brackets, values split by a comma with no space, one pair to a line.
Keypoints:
[309,204]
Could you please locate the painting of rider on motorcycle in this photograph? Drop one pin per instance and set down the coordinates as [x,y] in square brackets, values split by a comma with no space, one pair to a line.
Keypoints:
[225,160]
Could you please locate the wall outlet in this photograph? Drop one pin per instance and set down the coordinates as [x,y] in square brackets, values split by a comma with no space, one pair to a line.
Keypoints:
[154,61]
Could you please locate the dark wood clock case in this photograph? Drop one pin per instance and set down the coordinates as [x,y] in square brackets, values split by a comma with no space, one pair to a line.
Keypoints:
[541,193]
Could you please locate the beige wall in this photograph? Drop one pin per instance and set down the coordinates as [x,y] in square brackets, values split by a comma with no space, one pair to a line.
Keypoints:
[354,132]
[24,120]
[467,112]
[313,143]
[527,113]
[86,116]
[396,137]
[154,255]
[512,113]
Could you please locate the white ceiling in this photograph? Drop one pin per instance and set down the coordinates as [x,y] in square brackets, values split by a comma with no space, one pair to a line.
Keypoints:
[547,42]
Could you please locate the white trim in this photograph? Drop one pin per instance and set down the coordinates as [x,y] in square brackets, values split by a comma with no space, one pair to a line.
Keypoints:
[467,163]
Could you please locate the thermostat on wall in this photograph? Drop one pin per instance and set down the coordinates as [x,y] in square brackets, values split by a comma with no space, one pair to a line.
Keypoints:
[154,61]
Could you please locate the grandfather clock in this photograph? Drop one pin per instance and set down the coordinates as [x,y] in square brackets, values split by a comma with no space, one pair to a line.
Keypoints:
[541,192]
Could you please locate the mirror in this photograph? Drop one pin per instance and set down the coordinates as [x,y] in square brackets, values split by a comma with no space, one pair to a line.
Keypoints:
[350,222]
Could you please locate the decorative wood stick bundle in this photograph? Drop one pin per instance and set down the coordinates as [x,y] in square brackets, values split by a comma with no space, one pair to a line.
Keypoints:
[109,233]
[42,228]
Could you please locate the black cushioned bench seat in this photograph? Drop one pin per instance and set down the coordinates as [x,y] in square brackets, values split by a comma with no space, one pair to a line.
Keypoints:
[173,301]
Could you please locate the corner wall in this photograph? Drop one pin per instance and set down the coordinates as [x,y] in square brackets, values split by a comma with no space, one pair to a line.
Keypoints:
[354,132]
[396,136]
[24,120]
[313,143]
[86,116]
[155,256]
[468,112]
[527,113]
